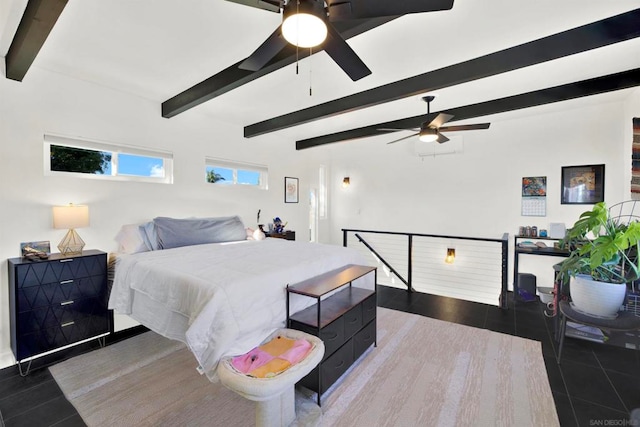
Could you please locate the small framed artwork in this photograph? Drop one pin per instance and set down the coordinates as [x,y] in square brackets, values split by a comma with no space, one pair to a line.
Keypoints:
[290,190]
[534,186]
[35,248]
[582,185]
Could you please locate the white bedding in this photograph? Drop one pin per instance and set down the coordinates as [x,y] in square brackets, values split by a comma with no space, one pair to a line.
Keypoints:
[220,299]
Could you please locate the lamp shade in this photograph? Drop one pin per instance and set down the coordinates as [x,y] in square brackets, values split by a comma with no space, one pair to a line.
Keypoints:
[70,216]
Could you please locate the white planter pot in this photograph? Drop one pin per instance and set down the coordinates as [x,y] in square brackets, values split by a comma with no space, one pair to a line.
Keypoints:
[598,299]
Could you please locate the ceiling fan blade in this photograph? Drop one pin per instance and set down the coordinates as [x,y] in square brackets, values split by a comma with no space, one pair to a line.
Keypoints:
[340,10]
[401,139]
[343,55]
[270,5]
[265,53]
[397,129]
[465,127]
[440,119]
[441,138]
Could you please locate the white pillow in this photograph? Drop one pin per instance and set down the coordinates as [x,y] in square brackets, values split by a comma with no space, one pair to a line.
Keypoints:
[129,240]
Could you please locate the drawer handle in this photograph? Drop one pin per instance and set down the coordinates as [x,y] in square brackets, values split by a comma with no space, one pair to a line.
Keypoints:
[340,365]
[355,319]
[64,282]
[66,302]
[67,324]
[367,337]
[67,260]
[335,335]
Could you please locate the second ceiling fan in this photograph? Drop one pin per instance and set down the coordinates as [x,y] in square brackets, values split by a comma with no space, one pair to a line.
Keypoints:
[308,23]
[430,131]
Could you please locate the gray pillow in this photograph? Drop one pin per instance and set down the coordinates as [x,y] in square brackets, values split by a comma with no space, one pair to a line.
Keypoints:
[149,236]
[174,233]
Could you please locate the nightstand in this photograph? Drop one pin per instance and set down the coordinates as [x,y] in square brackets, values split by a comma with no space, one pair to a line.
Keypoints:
[57,302]
[287,235]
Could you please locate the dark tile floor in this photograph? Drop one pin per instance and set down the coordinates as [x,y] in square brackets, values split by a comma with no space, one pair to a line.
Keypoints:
[596,384]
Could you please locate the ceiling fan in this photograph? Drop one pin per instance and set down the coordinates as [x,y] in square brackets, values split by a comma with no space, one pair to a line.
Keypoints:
[308,23]
[430,131]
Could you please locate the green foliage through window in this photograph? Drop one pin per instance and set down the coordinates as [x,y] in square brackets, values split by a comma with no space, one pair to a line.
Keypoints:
[72,159]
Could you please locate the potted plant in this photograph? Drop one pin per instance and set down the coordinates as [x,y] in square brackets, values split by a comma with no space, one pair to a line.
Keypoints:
[603,259]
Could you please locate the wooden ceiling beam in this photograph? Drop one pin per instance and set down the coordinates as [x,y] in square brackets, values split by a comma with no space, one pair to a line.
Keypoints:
[580,39]
[37,22]
[233,77]
[598,85]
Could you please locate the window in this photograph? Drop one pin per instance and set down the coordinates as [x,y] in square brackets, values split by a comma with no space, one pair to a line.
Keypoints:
[227,172]
[90,159]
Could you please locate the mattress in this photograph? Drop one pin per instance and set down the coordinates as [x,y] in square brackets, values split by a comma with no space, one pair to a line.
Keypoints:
[221,299]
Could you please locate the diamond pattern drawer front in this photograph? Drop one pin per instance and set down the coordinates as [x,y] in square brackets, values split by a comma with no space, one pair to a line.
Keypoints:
[57,302]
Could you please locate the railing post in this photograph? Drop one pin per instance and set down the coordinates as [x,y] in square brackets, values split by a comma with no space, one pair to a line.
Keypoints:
[344,237]
[505,271]
[410,263]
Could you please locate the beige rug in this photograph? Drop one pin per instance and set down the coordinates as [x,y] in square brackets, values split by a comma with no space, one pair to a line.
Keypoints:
[424,372]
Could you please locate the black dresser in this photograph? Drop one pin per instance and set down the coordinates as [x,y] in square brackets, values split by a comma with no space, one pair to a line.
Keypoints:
[57,302]
[345,321]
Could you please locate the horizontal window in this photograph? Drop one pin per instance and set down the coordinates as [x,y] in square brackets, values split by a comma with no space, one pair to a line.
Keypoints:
[227,172]
[92,159]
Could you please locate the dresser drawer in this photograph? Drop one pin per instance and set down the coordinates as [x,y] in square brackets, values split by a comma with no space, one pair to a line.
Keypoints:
[336,365]
[32,297]
[69,332]
[352,321]
[332,335]
[43,272]
[369,307]
[364,339]
[59,314]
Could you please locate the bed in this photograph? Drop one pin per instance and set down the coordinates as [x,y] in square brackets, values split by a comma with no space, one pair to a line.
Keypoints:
[220,298]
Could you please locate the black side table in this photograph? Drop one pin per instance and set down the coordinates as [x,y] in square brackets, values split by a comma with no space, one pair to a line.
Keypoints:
[626,321]
[287,235]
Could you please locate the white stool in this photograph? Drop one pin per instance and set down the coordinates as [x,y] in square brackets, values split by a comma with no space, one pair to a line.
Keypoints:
[274,397]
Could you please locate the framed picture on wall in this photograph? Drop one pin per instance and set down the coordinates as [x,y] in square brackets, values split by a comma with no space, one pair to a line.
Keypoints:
[582,185]
[290,190]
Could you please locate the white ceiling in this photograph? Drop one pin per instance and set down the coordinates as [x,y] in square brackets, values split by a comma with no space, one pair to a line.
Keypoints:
[158,48]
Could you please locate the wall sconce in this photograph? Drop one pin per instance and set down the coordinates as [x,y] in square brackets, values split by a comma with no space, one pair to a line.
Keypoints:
[346,181]
[71,217]
[451,256]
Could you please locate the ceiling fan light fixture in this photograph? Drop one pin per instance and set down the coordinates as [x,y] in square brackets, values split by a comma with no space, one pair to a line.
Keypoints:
[303,24]
[428,134]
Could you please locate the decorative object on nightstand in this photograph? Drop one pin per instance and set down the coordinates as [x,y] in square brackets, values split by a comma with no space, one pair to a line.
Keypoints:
[57,302]
[71,217]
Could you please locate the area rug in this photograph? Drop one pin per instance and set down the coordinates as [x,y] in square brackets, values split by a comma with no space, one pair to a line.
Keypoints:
[424,372]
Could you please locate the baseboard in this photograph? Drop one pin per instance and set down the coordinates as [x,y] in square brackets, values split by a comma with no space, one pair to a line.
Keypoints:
[7,359]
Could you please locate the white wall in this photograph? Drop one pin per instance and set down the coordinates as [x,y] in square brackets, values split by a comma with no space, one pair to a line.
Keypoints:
[478,192]
[50,103]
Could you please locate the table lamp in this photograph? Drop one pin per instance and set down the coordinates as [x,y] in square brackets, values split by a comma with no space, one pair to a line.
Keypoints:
[71,217]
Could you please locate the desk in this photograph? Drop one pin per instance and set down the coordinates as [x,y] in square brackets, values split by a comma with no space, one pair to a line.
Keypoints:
[626,321]
[517,251]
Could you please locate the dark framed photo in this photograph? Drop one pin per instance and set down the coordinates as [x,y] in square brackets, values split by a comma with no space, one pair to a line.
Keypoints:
[290,189]
[582,185]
